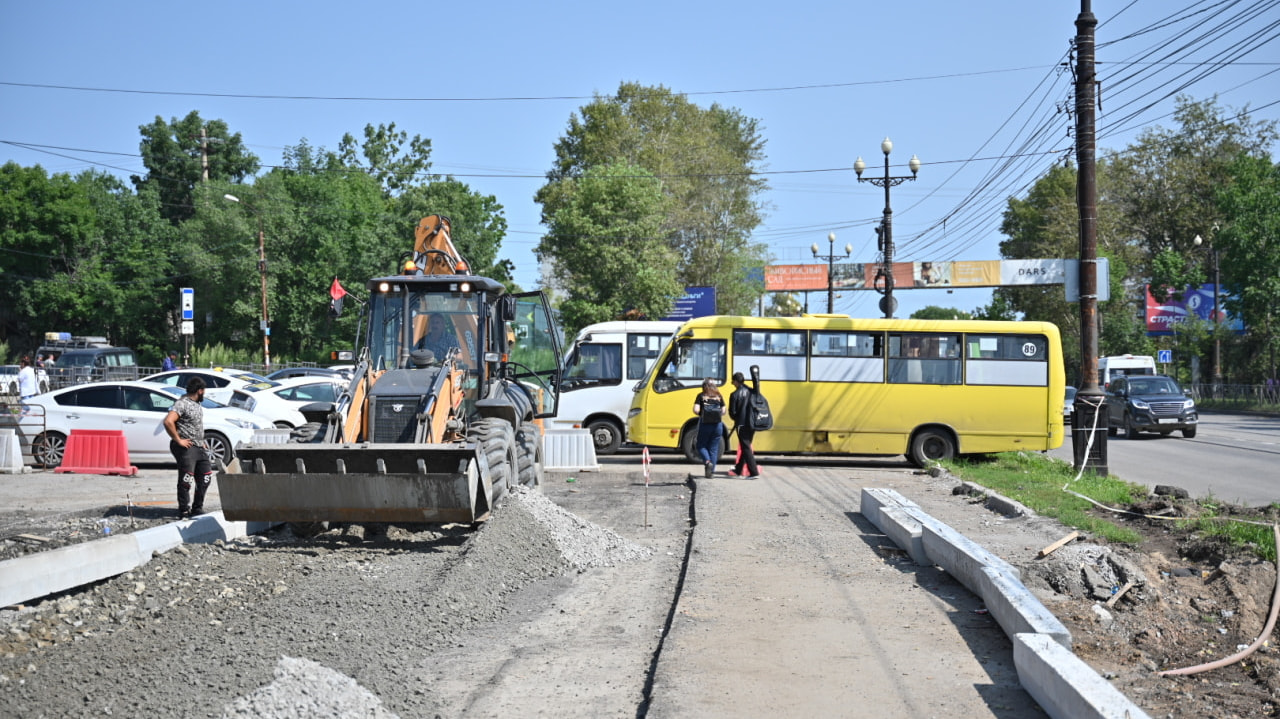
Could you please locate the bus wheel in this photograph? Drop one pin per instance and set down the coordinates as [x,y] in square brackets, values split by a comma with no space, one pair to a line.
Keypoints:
[689,444]
[606,436]
[931,445]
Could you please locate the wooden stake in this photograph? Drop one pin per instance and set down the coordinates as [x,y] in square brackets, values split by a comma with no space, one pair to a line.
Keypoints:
[1116,597]
[1057,545]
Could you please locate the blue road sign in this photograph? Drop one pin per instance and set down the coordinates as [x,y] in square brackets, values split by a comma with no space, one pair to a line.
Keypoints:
[1164,356]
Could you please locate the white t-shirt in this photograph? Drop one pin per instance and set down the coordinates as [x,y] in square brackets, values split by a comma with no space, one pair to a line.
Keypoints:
[28,385]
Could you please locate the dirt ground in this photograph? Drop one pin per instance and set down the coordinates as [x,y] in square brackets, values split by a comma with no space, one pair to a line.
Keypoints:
[1197,600]
[591,643]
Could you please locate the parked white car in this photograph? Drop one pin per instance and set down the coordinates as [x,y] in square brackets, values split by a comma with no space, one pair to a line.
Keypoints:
[302,391]
[233,388]
[9,379]
[218,382]
[138,410]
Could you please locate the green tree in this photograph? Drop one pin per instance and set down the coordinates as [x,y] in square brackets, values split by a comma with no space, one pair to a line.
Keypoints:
[81,255]
[606,243]
[1249,250]
[1165,186]
[934,312]
[382,154]
[176,155]
[706,159]
[319,219]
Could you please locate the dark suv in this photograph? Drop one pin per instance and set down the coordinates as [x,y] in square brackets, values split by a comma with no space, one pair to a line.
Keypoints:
[1149,403]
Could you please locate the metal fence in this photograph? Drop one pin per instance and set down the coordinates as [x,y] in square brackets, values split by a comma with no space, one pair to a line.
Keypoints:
[1242,396]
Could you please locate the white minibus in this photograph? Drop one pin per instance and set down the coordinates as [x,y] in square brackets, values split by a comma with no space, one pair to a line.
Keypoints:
[600,371]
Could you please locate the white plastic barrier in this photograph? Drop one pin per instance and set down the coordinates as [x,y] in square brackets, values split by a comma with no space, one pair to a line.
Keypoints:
[569,450]
[11,453]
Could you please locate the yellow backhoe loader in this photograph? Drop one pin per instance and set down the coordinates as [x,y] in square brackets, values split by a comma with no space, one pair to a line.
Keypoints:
[441,418]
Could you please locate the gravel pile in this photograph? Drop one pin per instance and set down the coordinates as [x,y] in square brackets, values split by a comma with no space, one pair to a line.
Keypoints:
[271,626]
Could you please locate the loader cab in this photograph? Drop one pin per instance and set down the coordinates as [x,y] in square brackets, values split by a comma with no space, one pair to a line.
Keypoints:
[473,321]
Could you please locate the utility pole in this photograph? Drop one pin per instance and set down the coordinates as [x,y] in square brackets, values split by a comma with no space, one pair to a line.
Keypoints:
[1090,411]
[204,154]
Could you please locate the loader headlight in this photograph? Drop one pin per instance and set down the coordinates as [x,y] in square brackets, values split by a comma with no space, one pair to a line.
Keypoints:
[633,412]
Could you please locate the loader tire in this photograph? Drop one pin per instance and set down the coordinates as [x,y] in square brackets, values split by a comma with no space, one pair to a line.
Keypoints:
[529,447]
[498,443]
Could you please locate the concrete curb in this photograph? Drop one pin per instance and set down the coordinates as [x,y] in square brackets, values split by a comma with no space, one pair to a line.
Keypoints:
[37,575]
[1064,685]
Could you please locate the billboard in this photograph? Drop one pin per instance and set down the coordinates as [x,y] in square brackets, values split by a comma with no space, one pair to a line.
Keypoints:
[959,273]
[697,302]
[1195,302]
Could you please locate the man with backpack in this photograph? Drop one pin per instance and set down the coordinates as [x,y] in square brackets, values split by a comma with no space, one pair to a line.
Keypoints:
[740,411]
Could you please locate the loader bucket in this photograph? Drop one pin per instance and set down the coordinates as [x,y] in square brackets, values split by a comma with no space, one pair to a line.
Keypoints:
[358,482]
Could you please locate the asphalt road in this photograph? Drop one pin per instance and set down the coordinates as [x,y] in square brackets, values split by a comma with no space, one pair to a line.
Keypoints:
[1233,457]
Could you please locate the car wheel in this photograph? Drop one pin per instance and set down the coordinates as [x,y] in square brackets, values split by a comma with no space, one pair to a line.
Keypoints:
[219,447]
[606,436]
[1130,431]
[48,448]
[931,445]
[1189,433]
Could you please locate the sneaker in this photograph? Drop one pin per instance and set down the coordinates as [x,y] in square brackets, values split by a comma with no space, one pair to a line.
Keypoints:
[183,514]
[732,473]
[707,469]
[196,511]
[754,476]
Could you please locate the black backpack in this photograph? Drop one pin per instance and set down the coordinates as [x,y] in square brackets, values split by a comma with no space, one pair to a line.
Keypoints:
[759,417]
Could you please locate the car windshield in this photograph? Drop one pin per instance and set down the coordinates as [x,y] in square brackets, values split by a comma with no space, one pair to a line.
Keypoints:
[1153,386]
[1071,393]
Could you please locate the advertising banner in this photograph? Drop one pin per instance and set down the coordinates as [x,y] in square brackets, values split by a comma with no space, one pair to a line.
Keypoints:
[697,302]
[906,275]
[1195,302]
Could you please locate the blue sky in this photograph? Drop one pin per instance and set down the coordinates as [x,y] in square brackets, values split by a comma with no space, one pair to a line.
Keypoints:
[973,89]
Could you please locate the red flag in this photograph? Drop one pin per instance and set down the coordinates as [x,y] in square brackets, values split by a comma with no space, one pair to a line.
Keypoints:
[336,291]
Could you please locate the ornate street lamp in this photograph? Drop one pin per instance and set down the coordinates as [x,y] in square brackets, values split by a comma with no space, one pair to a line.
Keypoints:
[831,260]
[885,242]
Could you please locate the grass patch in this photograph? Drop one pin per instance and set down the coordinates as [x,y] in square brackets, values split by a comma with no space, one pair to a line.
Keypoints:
[1258,539]
[1037,480]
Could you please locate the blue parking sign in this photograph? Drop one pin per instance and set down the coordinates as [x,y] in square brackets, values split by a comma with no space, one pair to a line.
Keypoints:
[1164,356]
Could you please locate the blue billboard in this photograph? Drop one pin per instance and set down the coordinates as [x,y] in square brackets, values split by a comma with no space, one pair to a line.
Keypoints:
[697,302]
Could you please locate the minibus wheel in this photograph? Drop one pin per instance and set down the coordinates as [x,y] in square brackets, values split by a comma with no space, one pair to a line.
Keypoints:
[931,445]
[689,444]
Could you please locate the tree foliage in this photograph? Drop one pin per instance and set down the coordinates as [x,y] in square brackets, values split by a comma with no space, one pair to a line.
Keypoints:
[706,159]
[934,312]
[1154,197]
[383,156]
[607,242]
[83,255]
[1249,249]
[175,155]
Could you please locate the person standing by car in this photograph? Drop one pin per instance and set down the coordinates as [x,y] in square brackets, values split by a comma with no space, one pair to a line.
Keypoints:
[170,362]
[709,406]
[28,383]
[185,425]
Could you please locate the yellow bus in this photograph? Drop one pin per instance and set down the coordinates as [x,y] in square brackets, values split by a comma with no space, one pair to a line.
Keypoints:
[927,389]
